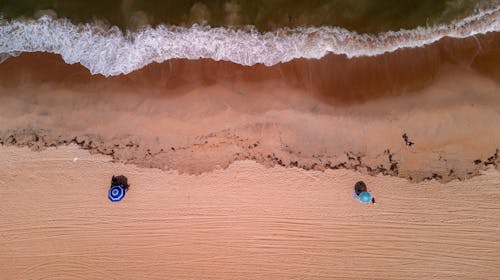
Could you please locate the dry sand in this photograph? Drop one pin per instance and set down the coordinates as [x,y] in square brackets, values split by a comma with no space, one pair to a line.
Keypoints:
[243,222]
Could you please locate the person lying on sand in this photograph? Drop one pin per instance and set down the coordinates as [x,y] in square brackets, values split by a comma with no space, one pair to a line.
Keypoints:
[120,181]
[360,187]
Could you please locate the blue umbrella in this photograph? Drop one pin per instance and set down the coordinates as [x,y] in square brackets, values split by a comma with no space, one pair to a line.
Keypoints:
[365,197]
[116,193]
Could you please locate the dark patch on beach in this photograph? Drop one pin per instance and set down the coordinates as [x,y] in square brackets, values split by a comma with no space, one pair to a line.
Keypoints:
[407,140]
[494,159]
[434,176]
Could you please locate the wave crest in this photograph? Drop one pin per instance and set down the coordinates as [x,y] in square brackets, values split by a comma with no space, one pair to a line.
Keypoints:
[110,52]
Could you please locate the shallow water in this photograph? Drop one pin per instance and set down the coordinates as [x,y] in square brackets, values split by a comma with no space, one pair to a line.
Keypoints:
[361,16]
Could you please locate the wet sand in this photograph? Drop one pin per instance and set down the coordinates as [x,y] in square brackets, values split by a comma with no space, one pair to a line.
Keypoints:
[195,116]
[243,222]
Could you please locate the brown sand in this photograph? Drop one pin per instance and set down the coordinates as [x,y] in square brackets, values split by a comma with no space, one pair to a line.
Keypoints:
[244,222]
[209,120]
[331,113]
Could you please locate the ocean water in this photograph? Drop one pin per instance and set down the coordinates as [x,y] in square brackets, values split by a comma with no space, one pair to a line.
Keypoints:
[364,16]
[119,37]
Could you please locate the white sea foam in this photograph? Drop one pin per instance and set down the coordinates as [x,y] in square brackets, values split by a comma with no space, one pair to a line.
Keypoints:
[109,51]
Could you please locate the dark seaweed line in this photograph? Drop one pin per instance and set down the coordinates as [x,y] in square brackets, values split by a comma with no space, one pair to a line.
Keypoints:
[39,140]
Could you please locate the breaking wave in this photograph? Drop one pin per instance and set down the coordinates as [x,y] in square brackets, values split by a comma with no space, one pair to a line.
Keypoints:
[111,52]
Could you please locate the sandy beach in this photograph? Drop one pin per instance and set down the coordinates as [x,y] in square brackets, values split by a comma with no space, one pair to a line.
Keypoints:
[243,222]
[243,127]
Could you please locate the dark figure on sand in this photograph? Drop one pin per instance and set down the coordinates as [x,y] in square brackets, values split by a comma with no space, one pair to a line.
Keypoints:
[407,140]
[360,187]
[120,181]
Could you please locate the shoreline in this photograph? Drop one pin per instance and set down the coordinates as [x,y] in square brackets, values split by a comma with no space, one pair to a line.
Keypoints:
[108,51]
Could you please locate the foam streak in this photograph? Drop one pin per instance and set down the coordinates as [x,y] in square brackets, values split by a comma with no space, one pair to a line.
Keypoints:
[110,52]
